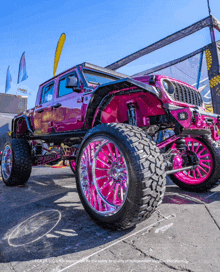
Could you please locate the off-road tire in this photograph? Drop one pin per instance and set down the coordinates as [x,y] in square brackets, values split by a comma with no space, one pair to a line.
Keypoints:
[21,162]
[146,175]
[213,179]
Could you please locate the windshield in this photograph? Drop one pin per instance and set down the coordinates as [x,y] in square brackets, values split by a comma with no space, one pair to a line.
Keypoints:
[94,78]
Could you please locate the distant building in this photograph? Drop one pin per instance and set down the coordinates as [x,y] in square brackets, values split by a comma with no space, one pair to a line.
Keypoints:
[10,105]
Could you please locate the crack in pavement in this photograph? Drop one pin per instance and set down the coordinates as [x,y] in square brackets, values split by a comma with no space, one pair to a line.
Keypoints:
[11,266]
[159,214]
[212,216]
[115,243]
[6,261]
[156,259]
[115,256]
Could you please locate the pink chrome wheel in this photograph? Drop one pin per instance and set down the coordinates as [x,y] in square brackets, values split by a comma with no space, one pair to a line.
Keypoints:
[104,175]
[202,171]
[7,162]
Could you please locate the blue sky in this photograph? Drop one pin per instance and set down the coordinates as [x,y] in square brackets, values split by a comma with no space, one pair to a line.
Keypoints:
[98,32]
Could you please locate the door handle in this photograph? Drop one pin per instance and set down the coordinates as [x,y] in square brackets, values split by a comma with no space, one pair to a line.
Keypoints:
[80,99]
[41,110]
[57,105]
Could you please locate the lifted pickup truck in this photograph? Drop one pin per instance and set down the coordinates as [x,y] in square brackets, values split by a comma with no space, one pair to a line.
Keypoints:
[104,123]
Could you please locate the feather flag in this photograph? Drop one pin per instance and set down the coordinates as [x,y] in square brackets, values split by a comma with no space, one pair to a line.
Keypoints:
[22,73]
[58,52]
[8,80]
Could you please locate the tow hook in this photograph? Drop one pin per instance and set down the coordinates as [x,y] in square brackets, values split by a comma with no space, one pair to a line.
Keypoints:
[199,123]
[214,131]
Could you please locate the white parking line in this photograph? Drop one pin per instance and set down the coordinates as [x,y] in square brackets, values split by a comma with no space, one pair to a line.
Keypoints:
[120,240]
[211,194]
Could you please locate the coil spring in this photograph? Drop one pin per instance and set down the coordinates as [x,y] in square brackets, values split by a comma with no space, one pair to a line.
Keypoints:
[180,144]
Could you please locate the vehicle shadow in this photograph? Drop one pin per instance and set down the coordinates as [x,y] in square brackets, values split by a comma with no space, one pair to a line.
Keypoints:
[45,219]
[176,195]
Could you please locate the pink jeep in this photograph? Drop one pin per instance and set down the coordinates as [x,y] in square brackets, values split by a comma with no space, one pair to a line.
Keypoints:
[105,123]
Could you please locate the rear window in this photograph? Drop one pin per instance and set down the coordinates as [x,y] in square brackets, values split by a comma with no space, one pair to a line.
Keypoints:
[47,93]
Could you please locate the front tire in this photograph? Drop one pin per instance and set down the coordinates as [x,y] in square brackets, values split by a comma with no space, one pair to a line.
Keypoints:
[206,175]
[16,162]
[120,175]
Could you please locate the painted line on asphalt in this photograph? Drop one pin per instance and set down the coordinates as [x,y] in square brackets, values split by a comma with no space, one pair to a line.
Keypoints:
[211,194]
[120,240]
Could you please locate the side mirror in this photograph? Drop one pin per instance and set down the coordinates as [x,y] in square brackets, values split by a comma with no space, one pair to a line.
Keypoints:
[71,82]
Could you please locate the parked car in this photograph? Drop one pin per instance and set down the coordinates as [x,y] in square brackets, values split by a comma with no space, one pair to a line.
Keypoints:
[105,124]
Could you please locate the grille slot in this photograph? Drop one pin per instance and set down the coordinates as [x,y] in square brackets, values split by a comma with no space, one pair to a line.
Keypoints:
[186,94]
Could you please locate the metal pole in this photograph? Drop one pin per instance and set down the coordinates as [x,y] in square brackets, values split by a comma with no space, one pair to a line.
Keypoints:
[209,7]
[212,31]
[200,70]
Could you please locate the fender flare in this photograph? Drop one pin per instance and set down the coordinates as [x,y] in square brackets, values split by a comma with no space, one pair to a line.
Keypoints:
[101,96]
[27,120]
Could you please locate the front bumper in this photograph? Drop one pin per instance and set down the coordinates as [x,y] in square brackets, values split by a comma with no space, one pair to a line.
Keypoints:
[197,120]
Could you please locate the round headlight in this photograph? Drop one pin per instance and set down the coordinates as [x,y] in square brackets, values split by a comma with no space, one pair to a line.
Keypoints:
[168,86]
[165,85]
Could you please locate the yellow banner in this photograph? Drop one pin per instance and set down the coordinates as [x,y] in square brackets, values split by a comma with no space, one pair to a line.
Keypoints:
[58,52]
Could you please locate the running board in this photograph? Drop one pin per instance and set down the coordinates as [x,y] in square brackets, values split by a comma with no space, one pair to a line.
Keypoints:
[60,135]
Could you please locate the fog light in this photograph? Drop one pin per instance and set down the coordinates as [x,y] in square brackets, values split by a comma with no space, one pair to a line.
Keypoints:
[182,116]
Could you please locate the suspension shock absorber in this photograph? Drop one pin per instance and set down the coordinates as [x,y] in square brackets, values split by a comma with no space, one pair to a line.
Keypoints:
[132,119]
[38,149]
[180,144]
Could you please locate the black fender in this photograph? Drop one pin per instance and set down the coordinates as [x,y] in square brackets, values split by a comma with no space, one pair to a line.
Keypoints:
[101,97]
[28,123]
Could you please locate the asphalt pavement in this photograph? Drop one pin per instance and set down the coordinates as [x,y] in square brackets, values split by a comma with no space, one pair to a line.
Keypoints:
[43,227]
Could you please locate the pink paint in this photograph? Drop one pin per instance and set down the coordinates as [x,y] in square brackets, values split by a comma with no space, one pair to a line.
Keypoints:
[72,112]
[202,171]
[184,123]
[165,97]
[146,105]
[146,121]
[45,159]
[103,176]
[214,131]
[73,165]
[167,141]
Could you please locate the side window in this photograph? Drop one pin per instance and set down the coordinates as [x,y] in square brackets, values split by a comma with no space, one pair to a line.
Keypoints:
[62,86]
[47,93]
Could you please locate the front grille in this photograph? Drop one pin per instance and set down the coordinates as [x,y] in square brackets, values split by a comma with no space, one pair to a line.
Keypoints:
[187,95]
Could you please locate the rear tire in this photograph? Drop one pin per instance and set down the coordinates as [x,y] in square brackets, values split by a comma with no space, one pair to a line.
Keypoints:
[120,175]
[16,162]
